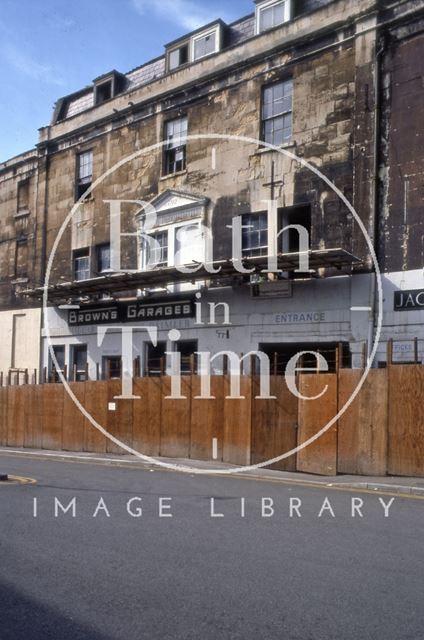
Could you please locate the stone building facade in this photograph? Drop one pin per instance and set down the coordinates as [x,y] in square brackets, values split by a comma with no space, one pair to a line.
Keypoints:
[278,120]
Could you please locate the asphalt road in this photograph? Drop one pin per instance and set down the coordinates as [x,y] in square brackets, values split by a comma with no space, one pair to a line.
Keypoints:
[197,577]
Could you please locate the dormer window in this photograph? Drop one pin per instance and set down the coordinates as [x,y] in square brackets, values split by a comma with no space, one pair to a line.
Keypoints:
[179,56]
[103,92]
[195,46]
[108,86]
[205,44]
[272,13]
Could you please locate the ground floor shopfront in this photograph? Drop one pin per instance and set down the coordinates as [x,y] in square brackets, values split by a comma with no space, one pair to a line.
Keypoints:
[336,316]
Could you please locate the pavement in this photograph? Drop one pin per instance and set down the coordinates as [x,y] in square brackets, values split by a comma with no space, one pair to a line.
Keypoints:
[391,484]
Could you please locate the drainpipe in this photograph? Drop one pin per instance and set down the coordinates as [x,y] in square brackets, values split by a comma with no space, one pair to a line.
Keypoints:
[44,249]
[376,203]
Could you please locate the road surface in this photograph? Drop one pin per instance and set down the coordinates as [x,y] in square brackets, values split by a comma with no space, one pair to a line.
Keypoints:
[117,566]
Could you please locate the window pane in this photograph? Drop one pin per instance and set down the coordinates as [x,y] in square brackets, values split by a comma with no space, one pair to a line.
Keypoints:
[266,19]
[279,13]
[174,59]
[158,254]
[82,268]
[272,16]
[204,46]
[85,168]
[176,132]
[277,115]
[255,236]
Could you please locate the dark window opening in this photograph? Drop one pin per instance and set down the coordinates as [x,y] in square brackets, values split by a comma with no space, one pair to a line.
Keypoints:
[84,173]
[103,257]
[79,362]
[156,359]
[112,367]
[187,349]
[281,353]
[59,352]
[104,92]
[289,241]
[277,106]
[178,57]
[176,146]
[81,264]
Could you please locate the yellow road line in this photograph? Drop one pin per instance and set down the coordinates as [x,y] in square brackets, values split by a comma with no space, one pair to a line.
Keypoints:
[14,480]
[282,481]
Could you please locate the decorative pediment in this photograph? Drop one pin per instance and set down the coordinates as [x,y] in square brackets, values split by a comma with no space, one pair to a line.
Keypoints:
[176,206]
[170,200]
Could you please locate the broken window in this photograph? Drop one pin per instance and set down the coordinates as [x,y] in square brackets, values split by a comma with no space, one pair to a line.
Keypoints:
[176,144]
[277,105]
[84,173]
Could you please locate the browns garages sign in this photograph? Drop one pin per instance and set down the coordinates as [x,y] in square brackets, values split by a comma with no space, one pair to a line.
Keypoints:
[131,312]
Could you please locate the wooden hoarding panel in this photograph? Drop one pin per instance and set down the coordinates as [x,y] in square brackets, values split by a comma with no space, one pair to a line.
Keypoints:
[120,419]
[147,416]
[207,420]
[3,416]
[406,420]
[16,416]
[175,431]
[274,425]
[362,431]
[34,422]
[237,423]
[73,418]
[319,457]
[96,403]
[53,396]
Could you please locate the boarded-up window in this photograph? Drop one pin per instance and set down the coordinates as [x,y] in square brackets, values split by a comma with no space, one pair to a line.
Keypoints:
[23,196]
[21,259]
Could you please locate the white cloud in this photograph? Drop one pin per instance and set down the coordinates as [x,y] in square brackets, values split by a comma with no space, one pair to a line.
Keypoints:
[186,13]
[28,66]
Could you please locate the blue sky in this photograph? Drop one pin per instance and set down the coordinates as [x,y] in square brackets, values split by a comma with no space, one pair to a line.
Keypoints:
[50,48]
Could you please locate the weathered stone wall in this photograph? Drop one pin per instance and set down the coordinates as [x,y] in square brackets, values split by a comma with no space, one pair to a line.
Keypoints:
[325,86]
[402,163]
[18,225]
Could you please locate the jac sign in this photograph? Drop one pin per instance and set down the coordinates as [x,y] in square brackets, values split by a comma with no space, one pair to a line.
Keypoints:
[409,300]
